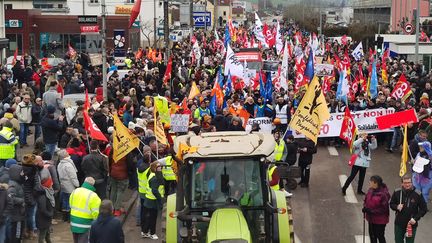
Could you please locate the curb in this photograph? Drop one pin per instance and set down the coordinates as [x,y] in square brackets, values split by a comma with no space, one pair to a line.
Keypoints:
[129,206]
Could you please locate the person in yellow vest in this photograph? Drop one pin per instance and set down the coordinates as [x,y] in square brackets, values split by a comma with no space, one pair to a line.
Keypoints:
[128,62]
[152,202]
[8,143]
[84,204]
[280,154]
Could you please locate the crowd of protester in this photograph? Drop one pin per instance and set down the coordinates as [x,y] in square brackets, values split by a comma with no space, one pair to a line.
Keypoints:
[63,158]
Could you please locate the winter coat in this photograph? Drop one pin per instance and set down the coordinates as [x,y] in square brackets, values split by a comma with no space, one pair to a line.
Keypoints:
[44,212]
[362,159]
[414,206]
[291,152]
[54,176]
[305,158]
[119,170]
[36,114]
[377,201]
[77,155]
[95,165]
[3,202]
[15,209]
[106,229]
[51,129]
[4,175]
[68,175]
[24,112]
[220,122]
[29,184]
[52,97]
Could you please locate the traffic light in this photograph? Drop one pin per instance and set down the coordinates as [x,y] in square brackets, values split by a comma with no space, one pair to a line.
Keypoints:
[379,44]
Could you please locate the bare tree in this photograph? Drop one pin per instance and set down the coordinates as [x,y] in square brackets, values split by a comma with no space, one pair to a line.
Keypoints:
[147,31]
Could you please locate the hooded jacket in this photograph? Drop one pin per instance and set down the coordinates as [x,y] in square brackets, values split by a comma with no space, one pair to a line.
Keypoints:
[24,112]
[106,229]
[68,175]
[377,201]
[15,209]
[3,202]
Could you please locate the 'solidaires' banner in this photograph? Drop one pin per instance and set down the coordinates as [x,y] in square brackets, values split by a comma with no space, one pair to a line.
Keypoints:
[365,121]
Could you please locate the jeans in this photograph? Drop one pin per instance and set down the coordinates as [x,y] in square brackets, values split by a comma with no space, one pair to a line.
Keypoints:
[64,197]
[138,211]
[396,135]
[31,218]
[148,219]
[376,233]
[305,174]
[51,148]
[400,235]
[15,232]
[24,130]
[3,232]
[81,238]
[38,131]
[355,169]
[116,189]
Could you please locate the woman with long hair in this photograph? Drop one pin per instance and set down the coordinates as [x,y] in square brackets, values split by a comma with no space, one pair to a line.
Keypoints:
[376,209]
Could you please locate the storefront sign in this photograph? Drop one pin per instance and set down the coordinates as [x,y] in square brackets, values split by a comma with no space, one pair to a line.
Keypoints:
[87,19]
[89,29]
[123,9]
[365,121]
[13,23]
[202,19]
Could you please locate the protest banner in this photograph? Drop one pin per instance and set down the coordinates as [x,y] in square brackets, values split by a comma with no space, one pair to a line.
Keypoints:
[179,123]
[365,121]
[265,124]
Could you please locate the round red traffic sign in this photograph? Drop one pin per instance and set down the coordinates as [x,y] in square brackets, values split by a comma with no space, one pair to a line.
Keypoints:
[408,29]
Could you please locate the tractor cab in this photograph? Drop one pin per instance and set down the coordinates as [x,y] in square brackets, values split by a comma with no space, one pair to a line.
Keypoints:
[223,194]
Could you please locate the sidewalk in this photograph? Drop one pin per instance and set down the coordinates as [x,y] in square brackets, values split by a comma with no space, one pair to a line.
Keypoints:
[61,232]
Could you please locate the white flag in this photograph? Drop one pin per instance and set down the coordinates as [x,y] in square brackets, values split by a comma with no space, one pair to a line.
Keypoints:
[358,52]
[246,78]
[284,69]
[232,64]
[258,31]
[279,40]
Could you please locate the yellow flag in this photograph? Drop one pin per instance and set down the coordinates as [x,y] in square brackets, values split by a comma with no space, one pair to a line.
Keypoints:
[161,103]
[404,157]
[194,91]
[311,113]
[185,149]
[158,129]
[384,76]
[123,140]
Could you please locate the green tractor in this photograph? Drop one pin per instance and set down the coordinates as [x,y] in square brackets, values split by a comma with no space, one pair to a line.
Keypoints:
[223,195]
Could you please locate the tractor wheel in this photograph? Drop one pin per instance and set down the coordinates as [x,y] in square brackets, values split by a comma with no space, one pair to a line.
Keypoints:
[291,184]
[163,223]
[290,218]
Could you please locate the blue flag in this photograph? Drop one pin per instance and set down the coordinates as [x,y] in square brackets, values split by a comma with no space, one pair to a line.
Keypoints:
[263,90]
[269,87]
[228,85]
[373,87]
[227,36]
[220,77]
[309,72]
[212,106]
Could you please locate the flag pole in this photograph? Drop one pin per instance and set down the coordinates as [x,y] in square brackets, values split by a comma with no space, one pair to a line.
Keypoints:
[88,143]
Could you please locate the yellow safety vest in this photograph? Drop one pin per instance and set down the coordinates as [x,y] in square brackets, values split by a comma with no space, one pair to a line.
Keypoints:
[143,181]
[270,175]
[149,194]
[84,203]
[167,170]
[7,144]
[279,149]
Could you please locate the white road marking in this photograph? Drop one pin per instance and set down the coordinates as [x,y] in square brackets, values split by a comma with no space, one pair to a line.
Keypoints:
[332,150]
[359,239]
[350,196]
[296,238]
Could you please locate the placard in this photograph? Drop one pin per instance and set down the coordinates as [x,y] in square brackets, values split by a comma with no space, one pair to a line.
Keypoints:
[179,123]
[265,124]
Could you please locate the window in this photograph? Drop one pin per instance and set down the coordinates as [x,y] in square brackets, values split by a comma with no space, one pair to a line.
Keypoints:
[94,1]
[60,6]
[8,6]
[224,13]
[129,1]
[15,41]
[215,181]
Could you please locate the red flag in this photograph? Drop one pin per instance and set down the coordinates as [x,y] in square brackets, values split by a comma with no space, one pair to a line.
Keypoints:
[135,12]
[15,56]
[217,90]
[71,52]
[396,119]
[344,40]
[327,81]
[86,102]
[270,39]
[349,129]
[300,69]
[92,128]
[139,54]
[167,75]
[402,89]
